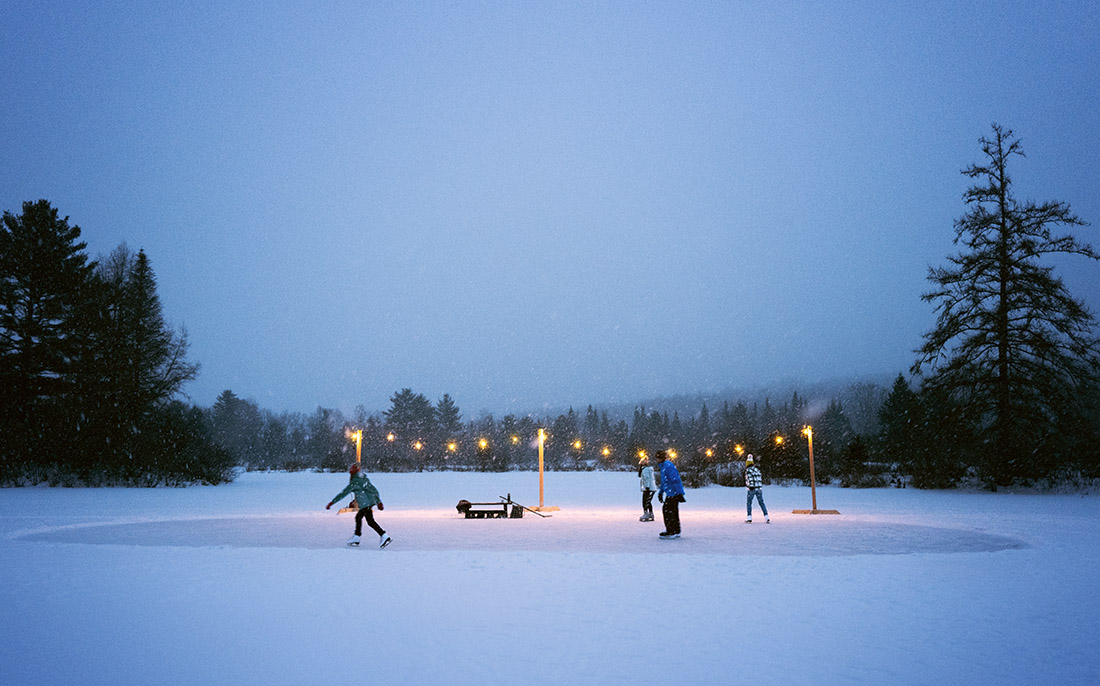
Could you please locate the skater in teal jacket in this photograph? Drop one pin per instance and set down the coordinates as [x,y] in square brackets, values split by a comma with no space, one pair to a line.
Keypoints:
[366,496]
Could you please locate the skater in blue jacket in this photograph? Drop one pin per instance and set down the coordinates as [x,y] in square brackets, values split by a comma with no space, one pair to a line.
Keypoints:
[366,496]
[671,494]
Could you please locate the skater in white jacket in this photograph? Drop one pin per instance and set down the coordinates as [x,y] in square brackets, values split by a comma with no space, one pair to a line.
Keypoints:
[649,487]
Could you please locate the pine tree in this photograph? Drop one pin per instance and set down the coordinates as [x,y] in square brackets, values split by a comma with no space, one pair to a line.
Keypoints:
[853,463]
[328,447]
[900,422]
[447,416]
[412,419]
[239,429]
[44,272]
[831,434]
[411,415]
[137,366]
[1011,347]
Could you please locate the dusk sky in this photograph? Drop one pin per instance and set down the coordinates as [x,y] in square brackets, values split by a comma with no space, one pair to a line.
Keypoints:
[533,205]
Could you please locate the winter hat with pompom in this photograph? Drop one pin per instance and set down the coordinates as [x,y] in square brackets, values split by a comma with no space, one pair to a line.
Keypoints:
[748,460]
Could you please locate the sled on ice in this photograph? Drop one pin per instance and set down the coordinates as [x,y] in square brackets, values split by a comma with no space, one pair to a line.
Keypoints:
[505,508]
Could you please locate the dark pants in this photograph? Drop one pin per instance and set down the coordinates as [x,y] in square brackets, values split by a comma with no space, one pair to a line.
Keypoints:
[671,512]
[368,514]
[647,502]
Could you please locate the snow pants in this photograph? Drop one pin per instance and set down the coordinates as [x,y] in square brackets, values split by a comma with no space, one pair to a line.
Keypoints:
[366,513]
[671,513]
[759,493]
[647,502]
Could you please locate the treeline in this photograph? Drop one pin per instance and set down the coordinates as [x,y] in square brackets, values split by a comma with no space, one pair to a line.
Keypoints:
[414,435]
[89,369]
[864,436]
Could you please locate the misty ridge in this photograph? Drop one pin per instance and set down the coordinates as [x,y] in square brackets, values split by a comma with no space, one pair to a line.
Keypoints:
[1004,390]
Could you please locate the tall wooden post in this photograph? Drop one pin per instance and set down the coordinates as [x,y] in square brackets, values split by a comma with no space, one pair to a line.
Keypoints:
[813,481]
[542,440]
[809,432]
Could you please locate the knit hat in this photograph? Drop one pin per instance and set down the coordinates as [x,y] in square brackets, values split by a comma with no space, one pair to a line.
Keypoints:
[748,460]
[354,468]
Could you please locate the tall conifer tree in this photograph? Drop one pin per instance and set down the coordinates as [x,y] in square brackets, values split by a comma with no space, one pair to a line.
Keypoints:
[43,273]
[1011,346]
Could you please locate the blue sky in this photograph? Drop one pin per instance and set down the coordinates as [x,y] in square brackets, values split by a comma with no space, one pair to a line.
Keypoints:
[531,205]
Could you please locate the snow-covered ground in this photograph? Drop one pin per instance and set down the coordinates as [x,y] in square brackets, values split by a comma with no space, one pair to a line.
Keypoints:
[250,583]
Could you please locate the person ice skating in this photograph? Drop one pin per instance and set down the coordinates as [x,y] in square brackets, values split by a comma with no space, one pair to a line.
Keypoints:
[754,481]
[649,486]
[671,493]
[366,495]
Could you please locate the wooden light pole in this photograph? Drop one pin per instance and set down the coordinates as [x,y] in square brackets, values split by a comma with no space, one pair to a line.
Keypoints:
[358,437]
[542,505]
[808,431]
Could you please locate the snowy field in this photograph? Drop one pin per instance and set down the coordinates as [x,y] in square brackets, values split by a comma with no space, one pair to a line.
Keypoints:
[251,583]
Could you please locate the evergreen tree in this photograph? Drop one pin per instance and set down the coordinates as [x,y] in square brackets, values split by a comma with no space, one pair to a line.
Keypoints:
[703,429]
[447,416]
[274,442]
[739,427]
[138,364]
[44,273]
[900,423]
[328,447]
[1011,347]
[947,441]
[559,444]
[832,433]
[768,422]
[412,420]
[238,428]
[182,450]
[591,424]
[853,463]
[411,415]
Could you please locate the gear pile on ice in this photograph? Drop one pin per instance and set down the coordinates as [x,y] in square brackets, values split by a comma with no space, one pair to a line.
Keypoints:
[505,508]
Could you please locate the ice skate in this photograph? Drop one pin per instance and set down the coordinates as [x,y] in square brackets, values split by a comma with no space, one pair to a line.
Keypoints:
[668,537]
[384,540]
[767,520]
[354,540]
[748,520]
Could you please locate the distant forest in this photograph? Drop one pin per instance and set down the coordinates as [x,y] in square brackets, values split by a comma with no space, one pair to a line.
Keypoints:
[415,434]
[1005,388]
